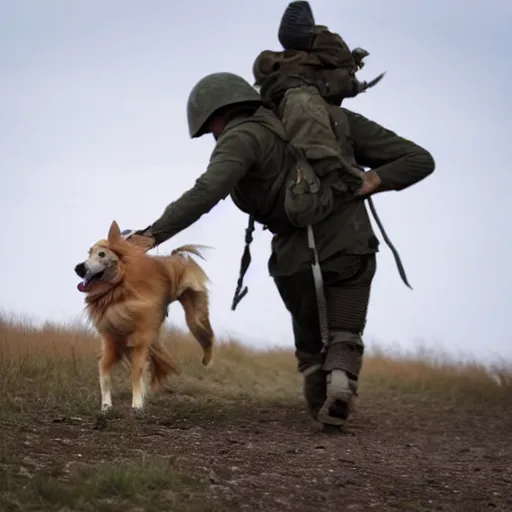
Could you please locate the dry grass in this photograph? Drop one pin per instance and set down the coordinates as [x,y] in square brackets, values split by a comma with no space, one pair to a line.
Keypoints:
[56,367]
[437,375]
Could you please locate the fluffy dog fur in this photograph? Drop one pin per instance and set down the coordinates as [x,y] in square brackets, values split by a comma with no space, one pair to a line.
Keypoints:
[127,296]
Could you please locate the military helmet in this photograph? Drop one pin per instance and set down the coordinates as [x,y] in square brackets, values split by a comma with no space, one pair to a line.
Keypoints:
[213,92]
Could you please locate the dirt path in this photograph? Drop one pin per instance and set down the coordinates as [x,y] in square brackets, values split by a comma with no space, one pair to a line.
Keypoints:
[396,454]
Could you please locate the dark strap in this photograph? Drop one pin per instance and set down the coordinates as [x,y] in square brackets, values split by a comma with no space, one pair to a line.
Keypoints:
[246,261]
[244,265]
[396,255]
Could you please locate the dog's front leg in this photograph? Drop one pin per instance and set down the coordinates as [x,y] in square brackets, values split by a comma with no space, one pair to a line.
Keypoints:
[138,358]
[108,359]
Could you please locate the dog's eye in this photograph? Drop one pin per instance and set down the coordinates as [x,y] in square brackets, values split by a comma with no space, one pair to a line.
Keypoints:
[101,254]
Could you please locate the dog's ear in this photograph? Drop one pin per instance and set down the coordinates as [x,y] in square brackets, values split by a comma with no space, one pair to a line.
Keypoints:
[114,233]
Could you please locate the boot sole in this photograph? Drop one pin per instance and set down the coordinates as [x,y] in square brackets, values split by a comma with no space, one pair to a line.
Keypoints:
[336,408]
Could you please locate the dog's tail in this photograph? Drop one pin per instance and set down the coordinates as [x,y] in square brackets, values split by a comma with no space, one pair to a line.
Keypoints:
[162,365]
[191,249]
[195,305]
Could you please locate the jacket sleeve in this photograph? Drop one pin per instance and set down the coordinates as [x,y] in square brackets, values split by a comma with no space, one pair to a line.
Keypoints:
[398,162]
[232,157]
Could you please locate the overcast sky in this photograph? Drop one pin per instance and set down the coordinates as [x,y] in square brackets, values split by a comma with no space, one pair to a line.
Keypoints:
[93,128]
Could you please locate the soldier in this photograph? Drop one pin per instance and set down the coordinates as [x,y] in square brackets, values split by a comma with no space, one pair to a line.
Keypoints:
[316,66]
[248,163]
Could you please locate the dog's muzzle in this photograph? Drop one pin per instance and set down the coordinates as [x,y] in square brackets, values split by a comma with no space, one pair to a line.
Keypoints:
[87,276]
[80,270]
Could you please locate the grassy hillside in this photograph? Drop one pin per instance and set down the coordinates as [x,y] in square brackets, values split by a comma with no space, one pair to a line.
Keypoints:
[48,377]
[56,366]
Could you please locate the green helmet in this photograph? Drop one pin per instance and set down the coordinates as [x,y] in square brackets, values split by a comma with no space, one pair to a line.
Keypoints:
[215,91]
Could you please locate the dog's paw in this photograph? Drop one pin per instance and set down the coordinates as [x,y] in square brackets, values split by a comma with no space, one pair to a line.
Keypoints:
[105,408]
[137,412]
[207,360]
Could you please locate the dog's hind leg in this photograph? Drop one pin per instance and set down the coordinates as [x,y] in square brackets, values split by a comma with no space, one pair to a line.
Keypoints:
[108,359]
[196,307]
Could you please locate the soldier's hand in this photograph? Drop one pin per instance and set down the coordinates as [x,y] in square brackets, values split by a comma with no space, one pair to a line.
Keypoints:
[370,184]
[146,241]
[139,238]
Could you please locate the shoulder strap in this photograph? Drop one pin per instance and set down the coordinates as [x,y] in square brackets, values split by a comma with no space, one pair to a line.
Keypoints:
[241,292]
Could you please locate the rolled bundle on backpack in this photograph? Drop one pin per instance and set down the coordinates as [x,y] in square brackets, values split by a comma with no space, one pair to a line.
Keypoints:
[295,27]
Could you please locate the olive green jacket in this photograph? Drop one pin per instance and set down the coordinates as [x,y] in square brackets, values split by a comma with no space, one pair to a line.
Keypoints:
[250,154]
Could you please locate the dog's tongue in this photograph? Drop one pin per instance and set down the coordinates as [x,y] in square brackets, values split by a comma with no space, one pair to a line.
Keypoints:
[81,286]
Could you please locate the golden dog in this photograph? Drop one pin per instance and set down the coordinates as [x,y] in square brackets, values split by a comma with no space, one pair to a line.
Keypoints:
[127,296]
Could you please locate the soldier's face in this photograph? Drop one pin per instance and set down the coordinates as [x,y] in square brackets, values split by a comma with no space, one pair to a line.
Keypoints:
[217,124]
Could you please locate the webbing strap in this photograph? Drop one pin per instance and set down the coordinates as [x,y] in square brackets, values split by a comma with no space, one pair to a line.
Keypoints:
[389,243]
[319,288]
[244,265]
[318,278]
[315,266]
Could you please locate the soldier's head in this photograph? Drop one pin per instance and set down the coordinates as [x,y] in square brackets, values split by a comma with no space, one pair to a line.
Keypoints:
[216,99]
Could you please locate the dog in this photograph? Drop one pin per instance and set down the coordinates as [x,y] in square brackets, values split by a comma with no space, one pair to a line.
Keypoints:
[127,294]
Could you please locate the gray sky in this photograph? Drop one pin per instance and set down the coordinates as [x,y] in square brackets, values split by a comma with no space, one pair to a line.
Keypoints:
[93,128]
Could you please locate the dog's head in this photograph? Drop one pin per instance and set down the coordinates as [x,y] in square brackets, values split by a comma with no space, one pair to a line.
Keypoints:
[103,269]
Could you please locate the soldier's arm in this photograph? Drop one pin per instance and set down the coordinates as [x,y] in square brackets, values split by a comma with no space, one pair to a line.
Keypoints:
[231,159]
[398,162]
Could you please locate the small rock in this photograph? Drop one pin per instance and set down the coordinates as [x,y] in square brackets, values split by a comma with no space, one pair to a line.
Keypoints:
[347,481]
[213,478]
